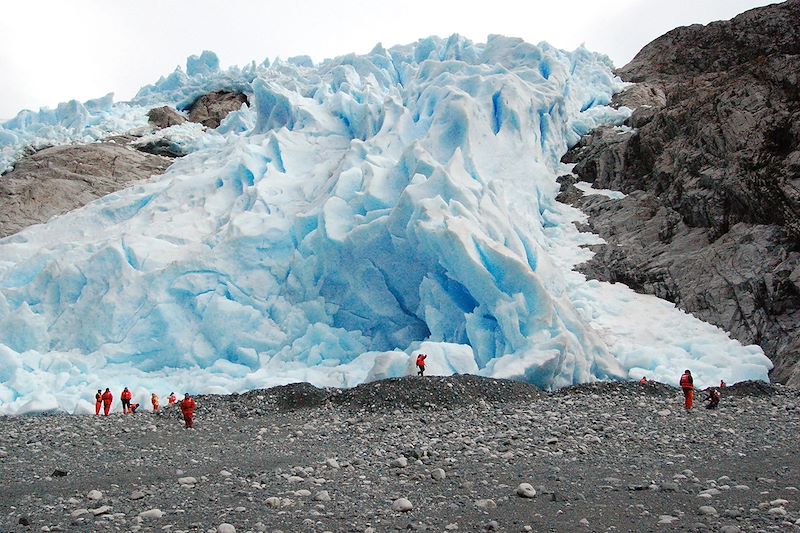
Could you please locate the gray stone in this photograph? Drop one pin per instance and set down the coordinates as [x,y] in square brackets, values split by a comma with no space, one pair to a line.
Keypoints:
[151,513]
[273,502]
[402,505]
[322,496]
[526,490]
[486,504]
[438,474]
[400,462]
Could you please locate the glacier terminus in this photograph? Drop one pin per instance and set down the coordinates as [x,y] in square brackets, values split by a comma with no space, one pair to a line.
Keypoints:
[358,211]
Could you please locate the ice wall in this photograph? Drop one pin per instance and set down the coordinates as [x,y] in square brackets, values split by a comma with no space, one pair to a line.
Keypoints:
[361,210]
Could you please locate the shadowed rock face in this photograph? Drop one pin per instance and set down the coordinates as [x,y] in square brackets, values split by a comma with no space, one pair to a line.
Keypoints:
[56,180]
[210,109]
[712,169]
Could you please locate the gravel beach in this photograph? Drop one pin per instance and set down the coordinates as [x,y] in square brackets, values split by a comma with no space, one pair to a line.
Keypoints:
[457,453]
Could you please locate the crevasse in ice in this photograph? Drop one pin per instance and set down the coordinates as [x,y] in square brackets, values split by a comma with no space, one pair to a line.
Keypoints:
[357,212]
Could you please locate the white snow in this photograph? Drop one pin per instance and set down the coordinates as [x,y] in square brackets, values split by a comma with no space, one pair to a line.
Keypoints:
[360,211]
[588,188]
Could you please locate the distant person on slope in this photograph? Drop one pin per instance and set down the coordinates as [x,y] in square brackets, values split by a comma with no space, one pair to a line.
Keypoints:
[712,398]
[643,381]
[132,409]
[107,399]
[171,399]
[722,384]
[154,401]
[687,385]
[126,400]
[421,364]
[98,401]
[187,408]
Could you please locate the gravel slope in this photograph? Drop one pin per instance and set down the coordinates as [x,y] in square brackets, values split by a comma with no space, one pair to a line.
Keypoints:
[599,457]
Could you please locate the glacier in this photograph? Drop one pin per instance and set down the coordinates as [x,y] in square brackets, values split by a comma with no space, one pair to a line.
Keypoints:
[359,211]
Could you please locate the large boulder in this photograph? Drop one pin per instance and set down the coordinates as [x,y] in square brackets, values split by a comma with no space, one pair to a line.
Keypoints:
[212,108]
[711,166]
[59,179]
[164,117]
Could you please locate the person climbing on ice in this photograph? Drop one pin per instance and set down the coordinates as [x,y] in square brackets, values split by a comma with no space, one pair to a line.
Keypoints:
[187,408]
[421,364]
[126,400]
[154,401]
[98,401]
[107,399]
[712,398]
[687,385]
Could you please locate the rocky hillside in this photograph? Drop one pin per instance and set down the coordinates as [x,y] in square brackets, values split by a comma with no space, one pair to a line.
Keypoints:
[460,453]
[711,167]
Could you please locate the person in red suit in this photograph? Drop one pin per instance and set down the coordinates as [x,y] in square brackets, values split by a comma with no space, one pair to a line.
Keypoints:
[107,399]
[126,400]
[98,401]
[187,408]
[421,364]
[687,386]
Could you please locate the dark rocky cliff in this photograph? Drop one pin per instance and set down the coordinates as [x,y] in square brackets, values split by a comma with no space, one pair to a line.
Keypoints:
[712,171]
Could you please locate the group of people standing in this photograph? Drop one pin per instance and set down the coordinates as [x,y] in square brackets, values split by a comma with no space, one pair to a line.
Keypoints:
[105,398]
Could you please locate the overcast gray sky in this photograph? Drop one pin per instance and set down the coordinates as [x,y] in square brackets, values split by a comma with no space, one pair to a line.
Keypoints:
[56,50]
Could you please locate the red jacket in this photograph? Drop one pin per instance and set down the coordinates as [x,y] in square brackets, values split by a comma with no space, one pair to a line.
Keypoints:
[187,406]
[686,381]
[126,395]
[421,359]
[98,397]
[107,397]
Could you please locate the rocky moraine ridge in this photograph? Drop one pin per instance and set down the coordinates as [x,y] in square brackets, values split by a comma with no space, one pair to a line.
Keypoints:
[458,453]
[710,163]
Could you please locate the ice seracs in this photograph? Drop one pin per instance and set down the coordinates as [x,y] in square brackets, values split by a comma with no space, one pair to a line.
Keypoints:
[359,210]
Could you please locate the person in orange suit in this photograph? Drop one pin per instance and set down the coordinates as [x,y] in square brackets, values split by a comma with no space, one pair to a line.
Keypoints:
[171,400]
[643,381]
[687,385]
[421,364]
[107,399]
[187,406]
[126,400]
[98,401]
[154,401]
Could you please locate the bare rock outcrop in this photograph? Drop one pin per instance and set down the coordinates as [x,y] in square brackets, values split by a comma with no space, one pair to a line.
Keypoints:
[712,171]
[56,180]
[212,108]
[164,117]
